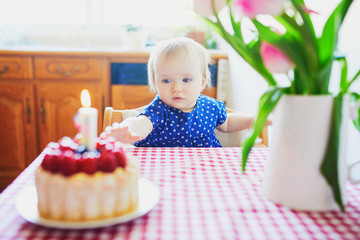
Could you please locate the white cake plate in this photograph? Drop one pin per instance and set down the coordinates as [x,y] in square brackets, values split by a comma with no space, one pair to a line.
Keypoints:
[26,205]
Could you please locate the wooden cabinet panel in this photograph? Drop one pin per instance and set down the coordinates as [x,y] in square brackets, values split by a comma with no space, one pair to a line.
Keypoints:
[15,67]
[211,92]
[130,96]
[18,144]
[58,104]
[67,68]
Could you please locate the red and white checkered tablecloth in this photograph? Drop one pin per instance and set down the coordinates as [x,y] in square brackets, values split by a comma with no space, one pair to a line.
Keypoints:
[203,195]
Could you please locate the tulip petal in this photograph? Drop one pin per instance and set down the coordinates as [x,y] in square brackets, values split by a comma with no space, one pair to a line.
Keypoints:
[274,59]
[251,8]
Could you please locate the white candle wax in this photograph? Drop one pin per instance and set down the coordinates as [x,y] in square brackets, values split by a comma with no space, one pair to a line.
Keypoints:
[88,117]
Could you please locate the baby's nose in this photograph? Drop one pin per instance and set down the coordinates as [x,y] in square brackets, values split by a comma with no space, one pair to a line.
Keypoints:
[177,88]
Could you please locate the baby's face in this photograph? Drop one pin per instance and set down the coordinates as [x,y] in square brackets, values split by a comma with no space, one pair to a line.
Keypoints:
[179,81]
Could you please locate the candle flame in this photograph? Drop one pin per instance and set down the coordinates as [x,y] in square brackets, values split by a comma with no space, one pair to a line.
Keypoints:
[85,98]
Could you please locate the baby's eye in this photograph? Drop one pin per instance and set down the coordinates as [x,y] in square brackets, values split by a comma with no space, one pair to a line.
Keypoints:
[186,80]
[165,80]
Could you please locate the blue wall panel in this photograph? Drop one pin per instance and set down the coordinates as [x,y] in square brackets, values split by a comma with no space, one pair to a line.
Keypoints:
[136,73]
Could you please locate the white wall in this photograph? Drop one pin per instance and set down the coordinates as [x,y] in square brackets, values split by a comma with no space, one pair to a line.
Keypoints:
[247,86]
[349,44]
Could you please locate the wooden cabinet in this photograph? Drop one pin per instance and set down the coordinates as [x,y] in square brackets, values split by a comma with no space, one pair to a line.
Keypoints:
[39,96]
[18,144]
[59,82]
[58,104]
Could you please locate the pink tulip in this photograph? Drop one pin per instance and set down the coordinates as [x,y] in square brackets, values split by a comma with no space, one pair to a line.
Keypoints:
[274,59]
[204,7]
[251,8]
[308,10]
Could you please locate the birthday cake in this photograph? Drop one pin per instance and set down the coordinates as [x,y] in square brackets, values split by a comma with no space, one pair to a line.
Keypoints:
[73,184]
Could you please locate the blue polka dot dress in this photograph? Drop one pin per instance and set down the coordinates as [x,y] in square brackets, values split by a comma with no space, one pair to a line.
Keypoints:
[174,128]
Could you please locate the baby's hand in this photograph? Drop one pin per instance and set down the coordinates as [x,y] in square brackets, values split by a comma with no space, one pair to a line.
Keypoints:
[120,133]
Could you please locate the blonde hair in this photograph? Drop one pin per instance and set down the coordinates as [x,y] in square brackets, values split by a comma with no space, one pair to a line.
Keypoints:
[176,47]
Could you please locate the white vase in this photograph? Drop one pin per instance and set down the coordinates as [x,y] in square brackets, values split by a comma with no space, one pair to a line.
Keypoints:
[301,127]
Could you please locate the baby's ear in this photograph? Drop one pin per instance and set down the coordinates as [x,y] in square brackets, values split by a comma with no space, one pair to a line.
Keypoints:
[203,84]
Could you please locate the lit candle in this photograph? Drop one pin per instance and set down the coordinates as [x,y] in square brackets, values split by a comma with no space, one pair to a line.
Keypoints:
[86,120]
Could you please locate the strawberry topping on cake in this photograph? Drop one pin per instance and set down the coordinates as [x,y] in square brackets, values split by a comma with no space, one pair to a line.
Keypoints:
[68,157]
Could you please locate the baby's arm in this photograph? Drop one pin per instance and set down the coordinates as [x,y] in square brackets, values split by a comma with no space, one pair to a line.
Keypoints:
[130,130]
[236,122]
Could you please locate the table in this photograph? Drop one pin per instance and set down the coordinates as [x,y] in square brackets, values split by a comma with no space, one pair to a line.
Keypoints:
[203,195]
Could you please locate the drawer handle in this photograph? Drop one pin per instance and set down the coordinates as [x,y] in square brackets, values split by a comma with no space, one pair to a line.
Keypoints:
[42,110]
[5,68]
[64,73]
[28,110]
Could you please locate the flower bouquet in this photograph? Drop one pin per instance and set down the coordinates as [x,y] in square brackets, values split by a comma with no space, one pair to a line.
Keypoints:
[292,47]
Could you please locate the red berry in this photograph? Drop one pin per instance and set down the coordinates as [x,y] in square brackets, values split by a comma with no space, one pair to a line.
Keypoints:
[107,162]
[67,143]
[52,160]
[108,147]
[69,164]
[89,162]
[100,144]
[120,157]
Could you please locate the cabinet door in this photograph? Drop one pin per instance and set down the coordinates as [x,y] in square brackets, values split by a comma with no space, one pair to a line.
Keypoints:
[18,142]
[58,103]
[130,96]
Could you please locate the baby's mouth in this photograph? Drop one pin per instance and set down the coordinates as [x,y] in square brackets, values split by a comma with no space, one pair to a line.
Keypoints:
[177,98]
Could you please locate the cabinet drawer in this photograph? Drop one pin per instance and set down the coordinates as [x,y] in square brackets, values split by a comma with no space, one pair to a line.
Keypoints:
[72,68]
[15,68]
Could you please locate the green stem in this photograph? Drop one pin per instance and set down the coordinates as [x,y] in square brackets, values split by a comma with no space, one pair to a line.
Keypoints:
[352,80]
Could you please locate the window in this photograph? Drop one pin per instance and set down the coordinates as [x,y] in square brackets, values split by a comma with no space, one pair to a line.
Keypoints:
[153,13]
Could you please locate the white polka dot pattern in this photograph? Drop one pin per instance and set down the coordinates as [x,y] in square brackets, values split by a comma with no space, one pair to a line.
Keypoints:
[174,128]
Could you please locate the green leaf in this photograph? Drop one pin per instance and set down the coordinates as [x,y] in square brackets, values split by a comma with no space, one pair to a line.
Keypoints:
[329,38]
[323,78]
[291,26]
[266,104]
[343,78]
[354,98]
[298,2]
[307,33]
[235,25]
[344,83]
[298,83]
[353,80]
[327,43]
[307,29]
[329,165]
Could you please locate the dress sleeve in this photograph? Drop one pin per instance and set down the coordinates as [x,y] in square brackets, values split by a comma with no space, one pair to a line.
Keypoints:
[222,114]
[154,111]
